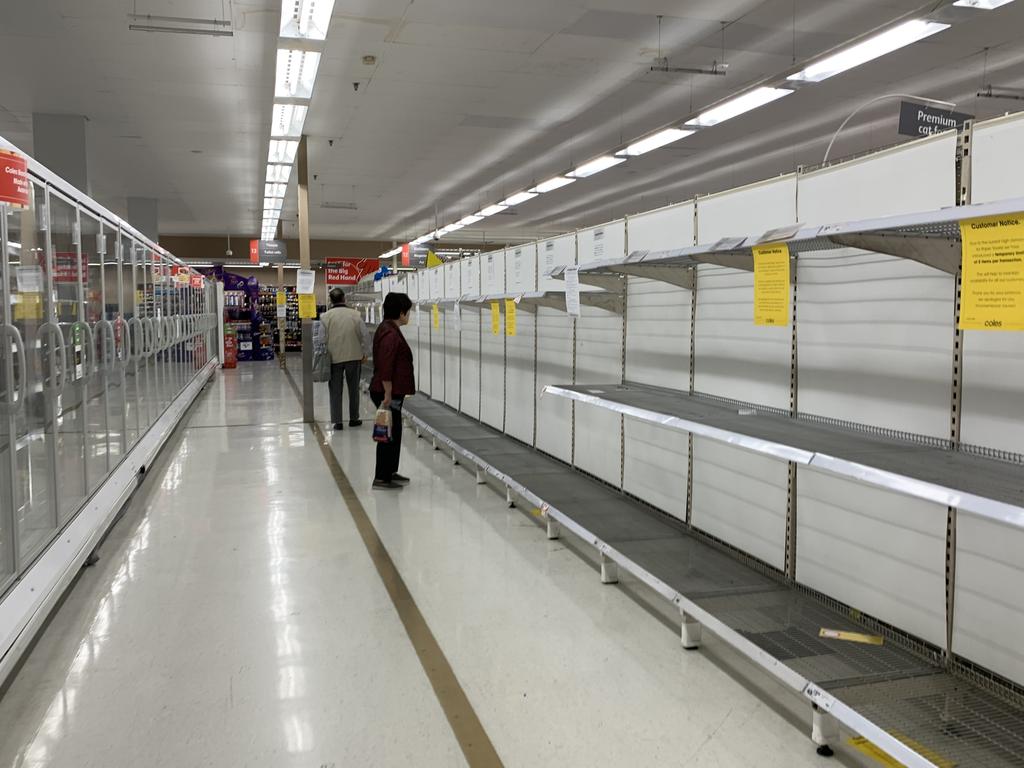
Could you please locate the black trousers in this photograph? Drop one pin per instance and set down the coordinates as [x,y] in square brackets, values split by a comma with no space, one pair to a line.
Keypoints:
[388,454]
[341,374]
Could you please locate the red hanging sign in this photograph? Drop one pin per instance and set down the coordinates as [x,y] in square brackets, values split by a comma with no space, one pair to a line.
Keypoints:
[406,249]
[254,251]
[66,265]
[345,271]
[197,281]
[14,184]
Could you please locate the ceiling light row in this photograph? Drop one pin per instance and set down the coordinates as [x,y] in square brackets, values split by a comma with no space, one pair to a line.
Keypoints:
[885,42]
[304,25]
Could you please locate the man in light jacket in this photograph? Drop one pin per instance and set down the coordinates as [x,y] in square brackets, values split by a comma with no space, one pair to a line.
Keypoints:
[349,346]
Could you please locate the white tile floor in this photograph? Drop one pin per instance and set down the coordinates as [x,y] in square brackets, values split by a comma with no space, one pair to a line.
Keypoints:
[235,619]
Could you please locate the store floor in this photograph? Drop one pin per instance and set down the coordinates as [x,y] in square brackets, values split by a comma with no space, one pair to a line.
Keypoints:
[236,618]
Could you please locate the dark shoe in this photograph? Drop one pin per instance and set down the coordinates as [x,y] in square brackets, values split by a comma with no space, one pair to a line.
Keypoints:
[338,427]
[356,423]
[385,485]
[397,478]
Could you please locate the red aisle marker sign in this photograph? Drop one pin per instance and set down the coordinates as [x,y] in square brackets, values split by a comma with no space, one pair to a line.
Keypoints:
[254,251]
[14,186]
[197,281]
[343,271]
[406,249]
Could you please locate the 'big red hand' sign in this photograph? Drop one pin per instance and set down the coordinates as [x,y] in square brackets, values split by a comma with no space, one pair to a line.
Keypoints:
[343,271]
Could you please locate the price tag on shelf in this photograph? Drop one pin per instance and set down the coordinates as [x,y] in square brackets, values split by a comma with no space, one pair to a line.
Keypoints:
[307,306]
[510,316]
[495,318]
[572,291]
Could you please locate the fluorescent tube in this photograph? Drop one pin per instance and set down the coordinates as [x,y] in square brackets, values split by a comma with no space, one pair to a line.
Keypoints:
[491,210]
[274,190]
[470,220]
[596,166]
[651,143]
[287,120]
[278,173]
[519,197]
[982,5]
[870,49]
[283,151]
[741,104]
[306,19]
[296,73]
[555,182]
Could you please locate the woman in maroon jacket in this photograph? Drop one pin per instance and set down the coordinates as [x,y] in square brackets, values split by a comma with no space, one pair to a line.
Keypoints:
[392,382]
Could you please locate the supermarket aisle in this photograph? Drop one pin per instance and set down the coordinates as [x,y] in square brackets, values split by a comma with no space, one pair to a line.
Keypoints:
[237,619]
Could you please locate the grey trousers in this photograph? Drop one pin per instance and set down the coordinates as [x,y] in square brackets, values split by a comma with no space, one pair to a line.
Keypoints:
[342,374]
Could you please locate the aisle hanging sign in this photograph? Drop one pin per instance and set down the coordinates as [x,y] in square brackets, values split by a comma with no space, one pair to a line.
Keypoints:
[14,185]
[992,294]
[495,318]
[268,251]
[771,284]
[348,271]
[919,120]
[510,316]
[572,291]
[435,314]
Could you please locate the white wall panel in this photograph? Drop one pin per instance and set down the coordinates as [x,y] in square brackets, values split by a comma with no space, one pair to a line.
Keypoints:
[880,552]
[520,392]
[436,278]
[733,357]
[607,241]
[658,314]
[988,617]
[920,176]
[452,280]
[470,374]
[993,397]
[521,269]
[470,276]
[421,318]
[741,498]
[558,252]
[437,354]
[554,366]
[875,340]
[655,468]
[452,372]
[492,371]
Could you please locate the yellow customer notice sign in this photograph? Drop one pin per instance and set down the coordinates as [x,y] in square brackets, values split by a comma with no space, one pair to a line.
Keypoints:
[495,318]
[771,284]
[510,317]
[307,306]
[992,295]
[435,313]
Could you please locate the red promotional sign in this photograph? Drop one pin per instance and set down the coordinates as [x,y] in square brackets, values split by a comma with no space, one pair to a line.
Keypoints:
[14,186]
[197,281]
[65,267]
[406,249]
[342,271]
[254,251]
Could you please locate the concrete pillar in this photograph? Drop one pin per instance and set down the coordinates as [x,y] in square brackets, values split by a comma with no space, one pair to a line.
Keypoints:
[143,214]
[58,142]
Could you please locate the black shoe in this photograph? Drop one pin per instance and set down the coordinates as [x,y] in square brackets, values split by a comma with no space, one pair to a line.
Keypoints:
[401,479]
[356,423]
[379,485]
[338,427]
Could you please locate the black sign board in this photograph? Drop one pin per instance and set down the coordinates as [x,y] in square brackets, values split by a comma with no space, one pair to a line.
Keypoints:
[273,251]
[922,120]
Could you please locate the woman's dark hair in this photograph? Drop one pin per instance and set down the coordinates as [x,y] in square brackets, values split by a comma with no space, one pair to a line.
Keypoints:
[396,304]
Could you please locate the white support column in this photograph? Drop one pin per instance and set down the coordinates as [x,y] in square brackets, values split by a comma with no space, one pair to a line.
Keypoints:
[455,457]
[554,529]
[433,442]
[609,570]
[508,497]
[690,633]
[481,478]
[824,731]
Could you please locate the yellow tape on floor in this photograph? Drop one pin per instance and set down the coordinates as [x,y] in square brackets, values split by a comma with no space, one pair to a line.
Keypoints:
[864,746]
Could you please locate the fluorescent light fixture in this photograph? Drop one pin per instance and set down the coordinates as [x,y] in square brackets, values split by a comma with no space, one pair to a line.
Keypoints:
[982,5]
[491,210]
[519,197]
[278,173]
[274,190]
[306,19]
[288,120]
[283,151]
[555,182]
[596,166]
[296,73]
[655,141]
[867,50]
[272,204]
[420,239]
[741,104]
[470,220]
[450,228]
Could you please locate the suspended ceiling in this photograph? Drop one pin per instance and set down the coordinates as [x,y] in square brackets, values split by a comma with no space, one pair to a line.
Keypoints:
[469,101]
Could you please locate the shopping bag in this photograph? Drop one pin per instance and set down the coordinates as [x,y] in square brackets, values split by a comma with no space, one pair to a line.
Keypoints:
[321,365]
[382,426]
